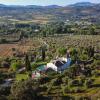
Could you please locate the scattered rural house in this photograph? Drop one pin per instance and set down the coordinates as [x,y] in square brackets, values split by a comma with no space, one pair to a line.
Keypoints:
[60,64]
[57,65]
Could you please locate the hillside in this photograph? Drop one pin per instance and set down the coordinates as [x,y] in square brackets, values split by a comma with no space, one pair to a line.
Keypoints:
[79,11]
[79,81]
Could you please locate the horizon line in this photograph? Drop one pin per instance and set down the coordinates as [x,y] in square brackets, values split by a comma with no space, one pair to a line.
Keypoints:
[44,5]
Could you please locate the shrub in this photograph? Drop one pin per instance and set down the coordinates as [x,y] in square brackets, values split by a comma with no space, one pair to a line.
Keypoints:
[97,57]
[96,73]
[3,98]
[96,62]
[84,57]
[62,51]
[56,81]
[73,90]
[74,83]
[79,90]
[1,80]
[64,98]
[43,88]
[65,80]
[73,51]
[82,79]
[15,66]
[66,90]
[44,80]
[85,98]
[4,41]
[24,90]
[88,83]
[4,91]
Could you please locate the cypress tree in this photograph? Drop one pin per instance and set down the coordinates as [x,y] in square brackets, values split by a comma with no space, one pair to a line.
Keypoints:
[43,53]
[90,51]
[27,63]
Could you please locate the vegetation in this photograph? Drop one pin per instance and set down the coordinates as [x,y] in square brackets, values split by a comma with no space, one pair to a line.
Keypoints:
[81,80]
[26,47]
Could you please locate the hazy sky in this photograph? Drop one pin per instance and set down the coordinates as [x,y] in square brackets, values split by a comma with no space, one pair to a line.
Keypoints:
[44,2]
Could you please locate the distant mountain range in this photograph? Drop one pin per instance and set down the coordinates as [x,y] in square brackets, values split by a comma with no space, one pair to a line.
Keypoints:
[51,6]
[78,11]
[83,4]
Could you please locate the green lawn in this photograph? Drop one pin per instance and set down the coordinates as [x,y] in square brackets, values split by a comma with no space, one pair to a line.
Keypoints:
[19,77]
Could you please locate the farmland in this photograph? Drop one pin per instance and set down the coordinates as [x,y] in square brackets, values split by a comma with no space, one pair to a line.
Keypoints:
[80,80]
[50,52]
[6,50]
[75,40]
[58,41]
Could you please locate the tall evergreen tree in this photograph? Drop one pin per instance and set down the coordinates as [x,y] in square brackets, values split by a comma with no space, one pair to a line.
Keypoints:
[90,51]
[27,63]
[43,49]
[43,53]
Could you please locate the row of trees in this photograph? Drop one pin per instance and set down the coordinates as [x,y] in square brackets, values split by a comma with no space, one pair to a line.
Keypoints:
[51,28]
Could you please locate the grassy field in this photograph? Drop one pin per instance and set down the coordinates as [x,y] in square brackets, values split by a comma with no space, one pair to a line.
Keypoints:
[36,19]
[20,77]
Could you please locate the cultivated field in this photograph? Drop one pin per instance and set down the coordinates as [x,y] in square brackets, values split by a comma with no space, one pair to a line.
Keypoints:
[74,41]
[6,49]
[57,41]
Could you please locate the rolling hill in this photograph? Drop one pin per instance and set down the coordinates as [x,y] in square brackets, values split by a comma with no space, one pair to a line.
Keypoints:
[79,11]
